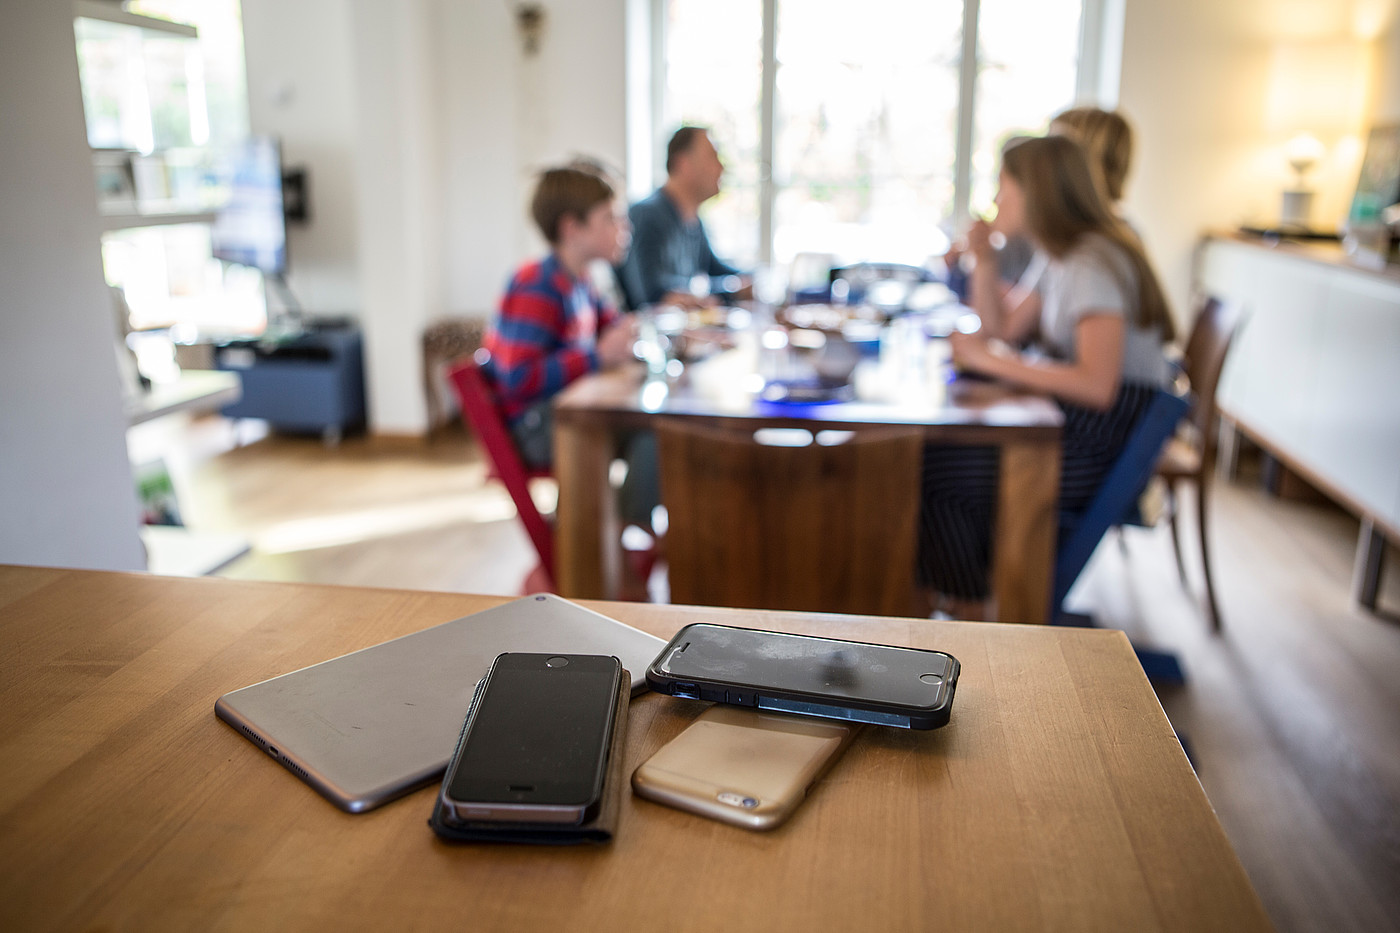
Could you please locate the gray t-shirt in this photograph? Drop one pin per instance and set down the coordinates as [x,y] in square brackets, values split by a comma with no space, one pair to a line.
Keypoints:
[1094,277]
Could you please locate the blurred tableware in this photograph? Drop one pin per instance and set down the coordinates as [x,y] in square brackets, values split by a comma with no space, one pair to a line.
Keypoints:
[700,285]
[658,332]
[836,360]
[770,286]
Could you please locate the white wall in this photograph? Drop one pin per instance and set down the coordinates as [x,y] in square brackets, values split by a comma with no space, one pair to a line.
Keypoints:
[508,115]
[483,168]
[66,492]
[1208,86]
[399,180]
[423,123]
[1387,89]
[300,81]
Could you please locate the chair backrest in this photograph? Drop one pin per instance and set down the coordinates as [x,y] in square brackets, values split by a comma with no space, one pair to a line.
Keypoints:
[482,412]
[829,526]
[1119,492]
[1204,359]
[863,273]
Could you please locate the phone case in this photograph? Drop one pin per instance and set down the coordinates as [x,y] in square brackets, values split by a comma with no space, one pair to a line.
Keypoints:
[599,829]
[743,767]
[816,696]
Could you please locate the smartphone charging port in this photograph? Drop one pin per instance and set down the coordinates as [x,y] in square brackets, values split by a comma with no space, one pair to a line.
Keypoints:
[685,691]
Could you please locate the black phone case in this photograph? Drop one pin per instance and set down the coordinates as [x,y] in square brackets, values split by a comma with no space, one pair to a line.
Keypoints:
[823,706]
[598,829]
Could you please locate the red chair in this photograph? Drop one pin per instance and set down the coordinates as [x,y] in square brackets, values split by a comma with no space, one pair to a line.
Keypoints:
[482,413]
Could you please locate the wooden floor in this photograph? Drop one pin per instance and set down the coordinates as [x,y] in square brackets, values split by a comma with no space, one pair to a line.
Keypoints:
[1292,716]
[392,514]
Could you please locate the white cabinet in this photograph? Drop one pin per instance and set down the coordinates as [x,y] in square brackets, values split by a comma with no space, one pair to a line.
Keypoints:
[1314,373]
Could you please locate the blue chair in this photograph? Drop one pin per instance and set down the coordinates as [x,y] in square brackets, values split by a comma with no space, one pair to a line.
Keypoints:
[1114,504]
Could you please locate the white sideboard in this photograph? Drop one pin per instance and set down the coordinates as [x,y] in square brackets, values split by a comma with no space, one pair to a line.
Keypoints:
[1314,374]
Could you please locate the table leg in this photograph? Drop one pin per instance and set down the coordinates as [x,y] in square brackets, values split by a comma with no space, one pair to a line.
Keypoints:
[1023,562]
[1370,562]
[587,562]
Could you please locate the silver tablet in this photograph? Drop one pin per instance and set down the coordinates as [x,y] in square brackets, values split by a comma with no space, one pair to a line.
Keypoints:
[376,724]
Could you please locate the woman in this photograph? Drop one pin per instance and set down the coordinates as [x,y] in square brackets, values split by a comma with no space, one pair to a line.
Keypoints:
[1101,320]
[1108,142]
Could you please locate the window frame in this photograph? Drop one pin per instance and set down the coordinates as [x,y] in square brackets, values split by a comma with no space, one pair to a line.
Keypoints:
[1098,68]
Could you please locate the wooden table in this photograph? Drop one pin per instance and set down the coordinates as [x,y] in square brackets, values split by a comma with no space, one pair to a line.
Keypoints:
[1058,797]
[593,411]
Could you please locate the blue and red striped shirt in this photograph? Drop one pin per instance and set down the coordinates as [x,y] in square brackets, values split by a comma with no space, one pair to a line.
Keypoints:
[544,334]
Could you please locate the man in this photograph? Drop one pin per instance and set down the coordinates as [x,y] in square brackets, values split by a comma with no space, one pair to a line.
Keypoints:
[669,245]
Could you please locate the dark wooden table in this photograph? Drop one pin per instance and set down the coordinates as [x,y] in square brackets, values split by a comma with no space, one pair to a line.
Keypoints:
[592,412]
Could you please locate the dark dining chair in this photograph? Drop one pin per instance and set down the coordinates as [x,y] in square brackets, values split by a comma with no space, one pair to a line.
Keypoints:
[1189,458]
[788,519]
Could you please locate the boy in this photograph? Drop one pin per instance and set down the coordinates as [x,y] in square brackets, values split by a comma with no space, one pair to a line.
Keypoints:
[553,327]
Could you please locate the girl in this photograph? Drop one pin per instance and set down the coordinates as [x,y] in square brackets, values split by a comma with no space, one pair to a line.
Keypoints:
[1102,320]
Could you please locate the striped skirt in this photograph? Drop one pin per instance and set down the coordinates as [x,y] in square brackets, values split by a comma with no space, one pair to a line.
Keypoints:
[960,491]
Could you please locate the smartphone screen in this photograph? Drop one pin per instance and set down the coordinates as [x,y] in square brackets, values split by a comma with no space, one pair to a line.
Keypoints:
[537,746]
[805,674]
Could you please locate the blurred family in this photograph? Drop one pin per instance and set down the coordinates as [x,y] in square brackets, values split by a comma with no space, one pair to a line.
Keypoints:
[554,326]
[1069,304]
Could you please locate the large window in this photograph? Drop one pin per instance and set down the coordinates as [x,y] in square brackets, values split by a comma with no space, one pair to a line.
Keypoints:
[856,130]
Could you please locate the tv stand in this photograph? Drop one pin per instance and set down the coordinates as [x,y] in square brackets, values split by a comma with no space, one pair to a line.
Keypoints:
[310,380]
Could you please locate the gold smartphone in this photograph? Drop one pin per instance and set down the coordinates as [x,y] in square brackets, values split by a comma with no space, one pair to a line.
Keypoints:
[743,766]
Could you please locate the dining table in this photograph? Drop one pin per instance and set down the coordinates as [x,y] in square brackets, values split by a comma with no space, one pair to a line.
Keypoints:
[903,375]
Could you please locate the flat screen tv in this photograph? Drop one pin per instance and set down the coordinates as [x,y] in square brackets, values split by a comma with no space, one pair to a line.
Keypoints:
[251,228]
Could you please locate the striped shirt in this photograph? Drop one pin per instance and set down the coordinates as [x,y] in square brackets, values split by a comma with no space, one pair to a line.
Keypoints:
[544,334]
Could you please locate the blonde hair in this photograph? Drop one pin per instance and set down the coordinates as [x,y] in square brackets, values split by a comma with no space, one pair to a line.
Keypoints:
[1063,204]
[571,191]
[1107,139]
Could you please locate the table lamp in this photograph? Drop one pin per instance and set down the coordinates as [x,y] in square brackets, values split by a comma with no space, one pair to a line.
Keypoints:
[1302,152]
[1317,88]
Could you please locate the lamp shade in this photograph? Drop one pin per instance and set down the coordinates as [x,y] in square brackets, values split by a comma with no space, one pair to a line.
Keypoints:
[1319,88]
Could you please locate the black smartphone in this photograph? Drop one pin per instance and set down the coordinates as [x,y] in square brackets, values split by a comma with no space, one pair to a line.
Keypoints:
[534,748]
[911,688]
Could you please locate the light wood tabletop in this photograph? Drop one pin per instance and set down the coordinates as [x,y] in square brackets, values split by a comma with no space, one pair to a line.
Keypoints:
[1057,798]
[593,412]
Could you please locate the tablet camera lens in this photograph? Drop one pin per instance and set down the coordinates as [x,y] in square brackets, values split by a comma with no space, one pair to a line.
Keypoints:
[749,803]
